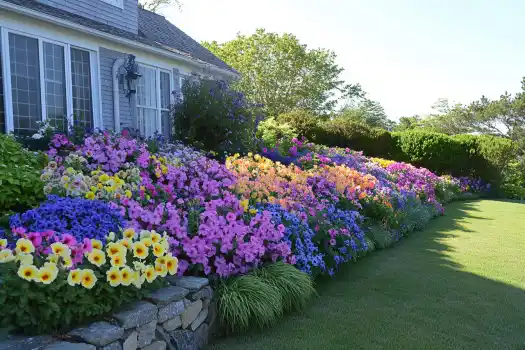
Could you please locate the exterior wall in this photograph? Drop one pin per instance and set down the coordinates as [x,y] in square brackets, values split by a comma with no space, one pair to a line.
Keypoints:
[125,18]
[107,58]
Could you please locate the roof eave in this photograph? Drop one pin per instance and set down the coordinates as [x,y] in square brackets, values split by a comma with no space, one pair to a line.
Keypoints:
[75,26]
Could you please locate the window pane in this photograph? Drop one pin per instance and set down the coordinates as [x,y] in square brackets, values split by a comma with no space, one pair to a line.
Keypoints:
[147,88]
[164,90]
[25,80]
[147,121]
[2,109]
[166,124]
[55,85]
[81,78]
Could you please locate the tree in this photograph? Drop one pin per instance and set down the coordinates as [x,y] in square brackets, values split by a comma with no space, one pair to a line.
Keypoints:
[408,123]
[155,5]
[368,112]
[283,74]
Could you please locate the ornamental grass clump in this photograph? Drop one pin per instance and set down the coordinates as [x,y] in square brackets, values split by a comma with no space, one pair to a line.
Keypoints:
[51,282]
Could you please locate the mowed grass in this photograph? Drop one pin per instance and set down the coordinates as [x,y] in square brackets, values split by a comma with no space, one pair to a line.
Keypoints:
[459,284]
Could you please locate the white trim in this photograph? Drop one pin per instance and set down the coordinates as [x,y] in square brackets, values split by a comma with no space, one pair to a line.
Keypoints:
[159,104]
[116,93]
[172,53]
[96,97]
[43,102]
[69,85]
[8,98]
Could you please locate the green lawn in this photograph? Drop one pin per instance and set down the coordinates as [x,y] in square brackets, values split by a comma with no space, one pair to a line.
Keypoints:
[460,284]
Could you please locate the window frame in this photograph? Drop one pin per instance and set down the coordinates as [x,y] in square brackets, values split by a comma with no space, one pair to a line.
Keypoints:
[158,109]
[6,65]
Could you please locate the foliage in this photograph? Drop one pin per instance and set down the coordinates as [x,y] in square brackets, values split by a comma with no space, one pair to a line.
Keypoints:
[367,112]
[302,121]
[512,191]
[283,74]
[19,176]
[212,117]
[155,5]
[80,217]
[51,282]
[295,287]
[246,301]
[276,134]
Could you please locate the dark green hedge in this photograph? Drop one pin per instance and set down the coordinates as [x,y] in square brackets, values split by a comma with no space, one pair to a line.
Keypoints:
[481,156]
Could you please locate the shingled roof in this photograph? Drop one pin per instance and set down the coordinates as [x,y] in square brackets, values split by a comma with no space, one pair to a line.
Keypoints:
[154,30]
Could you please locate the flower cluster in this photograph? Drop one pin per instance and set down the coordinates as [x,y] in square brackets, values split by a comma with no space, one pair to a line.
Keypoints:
[134,259]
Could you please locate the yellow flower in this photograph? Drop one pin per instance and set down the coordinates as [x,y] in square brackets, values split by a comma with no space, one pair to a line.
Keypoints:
[257,157]
[100,186]
[140,250]
[51,266]
[6,256]
[28,272]
[161,270]
[110,236]
[127,243]
[128,193]
[144,234]
[97,257]
[3,243]
[155,237]
[158,249]
[172,264]
[114,276]
[88,278]
[93,189]
[139,266]
[138,279]
[253,211]
[25,259]
[250,154]
[129,233]
[60,249]
[25,246]
[74,277]
[103,178]
[147,241]
[96,244]
[118,260]
[244,204]
[127,275]
[114,248]
[150,273]
[46,275]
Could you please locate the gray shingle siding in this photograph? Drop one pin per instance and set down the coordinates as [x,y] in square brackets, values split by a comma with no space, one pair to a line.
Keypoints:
[100,11]
[107,59]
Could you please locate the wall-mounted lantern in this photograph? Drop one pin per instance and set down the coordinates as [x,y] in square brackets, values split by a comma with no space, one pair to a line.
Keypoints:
[131,74]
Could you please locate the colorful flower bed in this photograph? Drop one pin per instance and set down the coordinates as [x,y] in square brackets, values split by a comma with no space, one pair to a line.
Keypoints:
[315,208]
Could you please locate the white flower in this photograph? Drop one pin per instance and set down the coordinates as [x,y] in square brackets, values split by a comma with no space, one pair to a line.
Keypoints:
[37,136]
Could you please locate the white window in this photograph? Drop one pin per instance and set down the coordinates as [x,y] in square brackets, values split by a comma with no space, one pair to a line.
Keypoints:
[153,101]
[44,80]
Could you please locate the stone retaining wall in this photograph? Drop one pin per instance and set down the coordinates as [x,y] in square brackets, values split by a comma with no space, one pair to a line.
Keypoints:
[172,318]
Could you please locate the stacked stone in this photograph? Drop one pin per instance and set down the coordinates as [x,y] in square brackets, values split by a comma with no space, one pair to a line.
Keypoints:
[172,318]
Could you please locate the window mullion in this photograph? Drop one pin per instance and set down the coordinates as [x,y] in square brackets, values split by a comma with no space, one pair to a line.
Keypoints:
[42,79]
[8,93]
[69,85]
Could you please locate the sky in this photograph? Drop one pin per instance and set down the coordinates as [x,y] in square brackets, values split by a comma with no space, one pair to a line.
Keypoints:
[405,53]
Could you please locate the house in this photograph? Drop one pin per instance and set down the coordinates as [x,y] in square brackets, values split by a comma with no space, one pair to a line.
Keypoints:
[67,61]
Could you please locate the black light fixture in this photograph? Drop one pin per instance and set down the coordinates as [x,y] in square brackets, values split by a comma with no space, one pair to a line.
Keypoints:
[132,74]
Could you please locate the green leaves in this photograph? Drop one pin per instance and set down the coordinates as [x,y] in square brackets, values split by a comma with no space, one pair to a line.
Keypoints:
[281,73]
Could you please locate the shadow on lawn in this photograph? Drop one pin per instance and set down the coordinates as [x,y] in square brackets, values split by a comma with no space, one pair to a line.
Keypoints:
[410,296]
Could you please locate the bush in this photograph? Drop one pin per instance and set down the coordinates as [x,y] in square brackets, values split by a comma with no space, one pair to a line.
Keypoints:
[301,121]
[513,192]
[274,133]
[20,183]
[80,217]
[212,117]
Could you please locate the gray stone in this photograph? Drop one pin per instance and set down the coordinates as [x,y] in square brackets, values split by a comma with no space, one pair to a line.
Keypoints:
[98,333]
[173,324]
[25,343]
[187,302]
[146,333]
[161,334]
[205,303]
[184,340]
[164,296]
[204,293]
[188,282]
[130,341]
[202,335]
[157,345]
[170,311]
[190,314]
[113,346]
[136,315]
[212,314]
[201,317]
[64,345]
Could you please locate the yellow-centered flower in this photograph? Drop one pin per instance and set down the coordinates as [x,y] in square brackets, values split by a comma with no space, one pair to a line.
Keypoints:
[97,257]
[88,278]
[129,233]
[60,249]
[25,246]
[118,260]
[158,249]
[127,275]
[114,276]
[140,250]
[28,272]
[114,248]
[95,243]
[46,275]
[150,273]
[74,277]
[6,256]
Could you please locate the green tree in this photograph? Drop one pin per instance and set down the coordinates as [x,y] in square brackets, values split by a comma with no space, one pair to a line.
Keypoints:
[155,5]
[408,123]
[283,74]
[368,112]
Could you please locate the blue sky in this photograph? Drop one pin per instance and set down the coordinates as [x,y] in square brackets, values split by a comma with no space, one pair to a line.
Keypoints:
[405,53]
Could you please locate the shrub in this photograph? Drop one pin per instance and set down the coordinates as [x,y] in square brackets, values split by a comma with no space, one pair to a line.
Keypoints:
[212,117]
[295,287]
[304,122]
[245,302]
[276,134]
[513,192]
[80,217]
[45,289]
[20,183]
